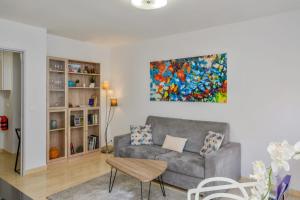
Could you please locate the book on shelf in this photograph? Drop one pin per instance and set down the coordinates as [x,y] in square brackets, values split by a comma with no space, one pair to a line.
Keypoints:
[93,142]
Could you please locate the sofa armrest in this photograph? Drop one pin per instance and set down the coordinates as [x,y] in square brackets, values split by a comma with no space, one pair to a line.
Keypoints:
[226,162]
[121,141]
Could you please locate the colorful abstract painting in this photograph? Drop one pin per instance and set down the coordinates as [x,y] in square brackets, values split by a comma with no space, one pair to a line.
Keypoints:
[196,79]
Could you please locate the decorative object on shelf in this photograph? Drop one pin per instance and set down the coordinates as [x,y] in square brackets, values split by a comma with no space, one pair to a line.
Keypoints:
[195,79]
[93,71]
[86,70]
[71,83]
[54,153]
[109,113]
[92,82]
[53,124]
[93,100]
[74,68]
[77,83]
[72,148]
[78,120]
[149,4]
[79,149]
[281,154]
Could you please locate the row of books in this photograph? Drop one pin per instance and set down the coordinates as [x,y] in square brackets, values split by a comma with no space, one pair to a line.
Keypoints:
[93,142]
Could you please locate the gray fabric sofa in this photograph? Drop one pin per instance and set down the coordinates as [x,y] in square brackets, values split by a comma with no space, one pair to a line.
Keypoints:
[187,169]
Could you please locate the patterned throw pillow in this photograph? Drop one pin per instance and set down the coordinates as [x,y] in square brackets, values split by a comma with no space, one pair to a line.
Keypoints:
[141,135]
[212,142]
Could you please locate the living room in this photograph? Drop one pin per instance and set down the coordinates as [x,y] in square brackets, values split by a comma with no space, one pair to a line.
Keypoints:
[258,39]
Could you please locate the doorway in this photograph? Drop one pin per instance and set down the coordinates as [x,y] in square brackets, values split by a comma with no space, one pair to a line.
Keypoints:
[11,111]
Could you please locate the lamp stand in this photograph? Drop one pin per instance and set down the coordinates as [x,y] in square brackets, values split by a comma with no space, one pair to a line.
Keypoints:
[109,114]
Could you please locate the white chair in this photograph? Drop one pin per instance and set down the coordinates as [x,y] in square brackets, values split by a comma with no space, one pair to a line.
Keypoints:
[228,184]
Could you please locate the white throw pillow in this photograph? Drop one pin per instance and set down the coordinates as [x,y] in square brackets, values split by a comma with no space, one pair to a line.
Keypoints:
[212,143]
[174,143]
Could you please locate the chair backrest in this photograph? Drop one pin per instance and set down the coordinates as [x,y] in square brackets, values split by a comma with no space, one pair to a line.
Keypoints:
[218,190]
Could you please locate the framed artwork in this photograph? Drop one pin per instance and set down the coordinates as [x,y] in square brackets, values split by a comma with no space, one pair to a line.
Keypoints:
[194,79]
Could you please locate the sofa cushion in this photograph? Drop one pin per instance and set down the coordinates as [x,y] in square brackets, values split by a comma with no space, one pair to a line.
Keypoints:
[187,163]
[174,143]
[212,143]
[141,135]
[142,151]
[194,131]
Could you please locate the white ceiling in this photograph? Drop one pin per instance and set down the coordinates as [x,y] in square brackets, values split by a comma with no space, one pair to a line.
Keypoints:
[114,22]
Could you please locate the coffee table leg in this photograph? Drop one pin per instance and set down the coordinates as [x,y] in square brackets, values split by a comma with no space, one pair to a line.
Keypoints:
[148,191]
[162,186]
[112,180]
[141,190]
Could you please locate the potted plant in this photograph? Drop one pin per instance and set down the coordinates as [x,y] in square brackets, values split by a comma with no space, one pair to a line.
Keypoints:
[268,177]
[77,83]
[92,82]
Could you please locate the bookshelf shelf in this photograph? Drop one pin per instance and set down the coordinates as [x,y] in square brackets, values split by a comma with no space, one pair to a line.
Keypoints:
[90,88]
[83,74]
[93,125]
[74,127]
[57,90]
[58,129]
[73,110]
[56,71]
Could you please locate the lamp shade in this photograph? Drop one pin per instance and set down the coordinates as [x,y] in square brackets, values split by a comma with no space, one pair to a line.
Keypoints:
[149,4]
[113,102]
[105,85]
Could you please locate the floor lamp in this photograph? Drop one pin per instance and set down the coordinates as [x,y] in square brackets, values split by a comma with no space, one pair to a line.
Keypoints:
[110,104]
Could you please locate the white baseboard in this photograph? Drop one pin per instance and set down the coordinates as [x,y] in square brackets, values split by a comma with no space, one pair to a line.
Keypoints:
[35,170]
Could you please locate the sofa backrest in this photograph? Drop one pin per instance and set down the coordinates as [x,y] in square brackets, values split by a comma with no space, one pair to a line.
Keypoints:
[195,131]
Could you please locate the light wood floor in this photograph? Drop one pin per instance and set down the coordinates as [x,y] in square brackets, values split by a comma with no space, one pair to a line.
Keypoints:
[58,176]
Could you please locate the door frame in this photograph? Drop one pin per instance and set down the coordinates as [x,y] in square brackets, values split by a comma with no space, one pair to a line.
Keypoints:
[22,57]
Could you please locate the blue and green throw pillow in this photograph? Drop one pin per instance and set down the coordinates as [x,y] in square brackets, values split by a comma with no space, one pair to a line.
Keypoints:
[141,135]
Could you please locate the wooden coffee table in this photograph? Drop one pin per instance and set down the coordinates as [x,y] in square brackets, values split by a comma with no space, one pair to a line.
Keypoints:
[141,169]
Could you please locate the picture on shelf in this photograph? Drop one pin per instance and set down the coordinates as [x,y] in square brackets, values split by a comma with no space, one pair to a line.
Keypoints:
[194,79]
[76,120]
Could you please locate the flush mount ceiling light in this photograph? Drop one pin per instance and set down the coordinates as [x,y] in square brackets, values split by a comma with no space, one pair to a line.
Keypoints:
[149,4]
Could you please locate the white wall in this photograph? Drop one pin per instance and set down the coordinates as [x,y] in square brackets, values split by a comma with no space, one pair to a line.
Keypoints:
[263,100]
[32,41]
[73,49]
[36,46]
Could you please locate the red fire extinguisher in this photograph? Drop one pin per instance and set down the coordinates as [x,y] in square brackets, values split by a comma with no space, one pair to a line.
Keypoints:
[3,123]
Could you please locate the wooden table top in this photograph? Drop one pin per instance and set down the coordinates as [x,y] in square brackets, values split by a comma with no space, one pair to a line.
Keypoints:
[141,169]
